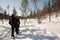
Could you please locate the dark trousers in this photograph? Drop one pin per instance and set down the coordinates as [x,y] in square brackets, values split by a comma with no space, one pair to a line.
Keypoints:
[17,30]
[14,28]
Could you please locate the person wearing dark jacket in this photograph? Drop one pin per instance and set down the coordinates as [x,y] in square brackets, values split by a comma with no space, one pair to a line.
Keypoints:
[14,22]
[17,26]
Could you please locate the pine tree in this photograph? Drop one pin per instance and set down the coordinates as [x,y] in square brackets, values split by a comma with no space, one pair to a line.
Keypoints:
[8,9]
[56,6]
[14,11]
[49,9]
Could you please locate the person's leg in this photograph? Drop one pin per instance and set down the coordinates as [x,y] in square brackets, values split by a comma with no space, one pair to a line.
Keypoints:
[17,30]
[12,30]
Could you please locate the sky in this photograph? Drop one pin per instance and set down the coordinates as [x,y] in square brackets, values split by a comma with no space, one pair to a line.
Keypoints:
[16,4]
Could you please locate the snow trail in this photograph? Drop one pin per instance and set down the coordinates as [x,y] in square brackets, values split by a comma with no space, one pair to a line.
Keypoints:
[30,31]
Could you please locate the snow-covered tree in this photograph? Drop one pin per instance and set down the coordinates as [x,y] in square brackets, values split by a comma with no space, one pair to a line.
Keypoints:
[24,6]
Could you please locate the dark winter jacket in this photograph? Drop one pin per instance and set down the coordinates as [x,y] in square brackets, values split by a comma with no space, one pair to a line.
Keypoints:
[14,21]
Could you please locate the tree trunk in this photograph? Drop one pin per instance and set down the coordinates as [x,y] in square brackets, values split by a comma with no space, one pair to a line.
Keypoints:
[49,18]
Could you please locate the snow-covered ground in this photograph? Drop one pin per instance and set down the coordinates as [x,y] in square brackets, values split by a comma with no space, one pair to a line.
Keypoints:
[32,30]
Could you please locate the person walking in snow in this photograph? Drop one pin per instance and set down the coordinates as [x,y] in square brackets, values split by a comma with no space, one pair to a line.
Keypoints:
[14,22]
[17,26]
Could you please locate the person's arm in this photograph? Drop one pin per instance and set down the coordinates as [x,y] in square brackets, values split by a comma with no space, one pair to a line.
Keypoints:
[10,21]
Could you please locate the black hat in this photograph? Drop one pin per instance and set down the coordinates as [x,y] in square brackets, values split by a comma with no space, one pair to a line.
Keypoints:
[12,15]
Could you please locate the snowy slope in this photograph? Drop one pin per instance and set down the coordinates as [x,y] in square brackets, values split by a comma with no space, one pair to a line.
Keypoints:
[31,31]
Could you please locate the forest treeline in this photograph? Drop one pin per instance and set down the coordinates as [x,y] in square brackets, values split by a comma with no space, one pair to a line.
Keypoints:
[50,8]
